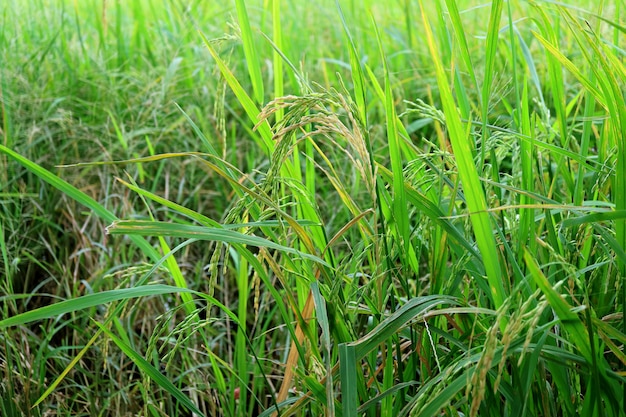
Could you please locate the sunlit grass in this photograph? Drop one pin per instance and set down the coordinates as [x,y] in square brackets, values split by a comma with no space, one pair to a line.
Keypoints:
[341,208]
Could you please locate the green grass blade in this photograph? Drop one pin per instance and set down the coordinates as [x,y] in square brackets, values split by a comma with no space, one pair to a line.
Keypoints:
[177,276]
[151,371]
[571,67]
[595,217]
[348,376]
[412,310]
[79,196]
[434,213]
[322,319]
[250,51]
[7,122]
[5,254]
[438,402]
[251,109]
[205,141]
[400,210]
[67,369]
[116,313]
[571,321]
[459,32]
[149,228]
[373,402]
[191,214]
[472,187]
[88,301]
[277,32]
[357,71]
[118,132]
[490,59]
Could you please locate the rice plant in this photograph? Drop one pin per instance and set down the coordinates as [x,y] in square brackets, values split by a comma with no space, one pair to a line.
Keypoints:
[341,208]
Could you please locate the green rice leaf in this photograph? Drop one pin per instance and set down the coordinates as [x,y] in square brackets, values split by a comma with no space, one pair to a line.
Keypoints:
[88,301]
[473,190]
[249,49]
[77,195]
[152,372]
[570,320]
[154,228]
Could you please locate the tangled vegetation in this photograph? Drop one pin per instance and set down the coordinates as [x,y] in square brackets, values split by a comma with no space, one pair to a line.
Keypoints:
[351,208]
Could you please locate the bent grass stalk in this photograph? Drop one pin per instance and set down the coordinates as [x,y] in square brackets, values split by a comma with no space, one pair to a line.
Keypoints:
[348,253]
[473,190]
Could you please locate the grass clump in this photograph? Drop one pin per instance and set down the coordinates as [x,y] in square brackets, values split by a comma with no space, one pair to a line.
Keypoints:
[237,211]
